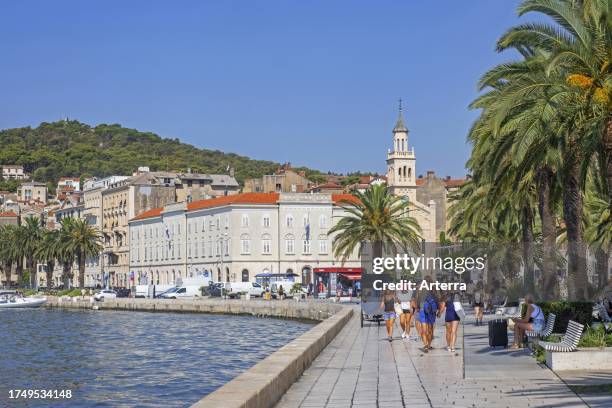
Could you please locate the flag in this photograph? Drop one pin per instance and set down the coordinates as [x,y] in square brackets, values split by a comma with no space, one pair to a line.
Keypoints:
[168,235]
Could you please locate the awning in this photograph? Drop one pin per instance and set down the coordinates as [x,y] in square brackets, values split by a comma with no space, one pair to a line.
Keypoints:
[351,276]
[338,270]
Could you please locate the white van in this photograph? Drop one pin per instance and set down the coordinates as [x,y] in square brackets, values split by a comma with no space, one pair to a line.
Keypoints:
[252,288]
[183,292]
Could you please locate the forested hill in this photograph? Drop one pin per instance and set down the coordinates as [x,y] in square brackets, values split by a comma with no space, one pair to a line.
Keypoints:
[73,149]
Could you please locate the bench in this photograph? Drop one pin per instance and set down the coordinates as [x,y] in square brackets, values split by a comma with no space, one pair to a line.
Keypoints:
[548,329]
[570,340]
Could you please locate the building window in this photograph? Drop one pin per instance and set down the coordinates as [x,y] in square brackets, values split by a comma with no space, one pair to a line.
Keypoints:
[245,275]
[245,220]
[289,221]
[322,245]
[266,244]
[305,246]
[290,245]
[305,220]
[245,244]
[323,221]
[266,221]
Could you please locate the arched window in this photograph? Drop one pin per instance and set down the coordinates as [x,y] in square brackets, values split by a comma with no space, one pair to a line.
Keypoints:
[219,275]
[306,275]
[409,172]
[245,275]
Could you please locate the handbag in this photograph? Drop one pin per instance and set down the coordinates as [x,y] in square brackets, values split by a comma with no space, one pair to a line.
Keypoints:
[398,309]
[459,310]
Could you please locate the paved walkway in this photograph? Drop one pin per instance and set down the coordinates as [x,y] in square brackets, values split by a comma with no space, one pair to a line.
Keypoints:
[360,368]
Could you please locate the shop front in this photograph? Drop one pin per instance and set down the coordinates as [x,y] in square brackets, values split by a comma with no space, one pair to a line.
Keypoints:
[336,281]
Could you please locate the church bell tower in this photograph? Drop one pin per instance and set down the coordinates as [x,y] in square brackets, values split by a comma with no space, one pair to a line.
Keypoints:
[401,162]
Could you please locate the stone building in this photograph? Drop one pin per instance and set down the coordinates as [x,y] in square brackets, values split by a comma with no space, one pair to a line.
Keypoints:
[432,188]
[13,171]
[283,180]
[32,191]
[240,238]
[8,217]
[128,198]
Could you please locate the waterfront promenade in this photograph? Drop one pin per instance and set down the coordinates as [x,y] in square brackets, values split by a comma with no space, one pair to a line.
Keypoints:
[360,368]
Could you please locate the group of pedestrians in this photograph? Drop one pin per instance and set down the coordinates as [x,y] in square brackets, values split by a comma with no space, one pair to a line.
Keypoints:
[423,307]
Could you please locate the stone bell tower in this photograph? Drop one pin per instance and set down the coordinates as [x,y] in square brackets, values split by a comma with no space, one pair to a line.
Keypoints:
[401,162]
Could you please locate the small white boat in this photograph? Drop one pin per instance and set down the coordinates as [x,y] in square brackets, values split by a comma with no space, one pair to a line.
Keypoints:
[10,302]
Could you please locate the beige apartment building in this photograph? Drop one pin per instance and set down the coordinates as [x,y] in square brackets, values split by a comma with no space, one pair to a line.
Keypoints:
[125,199]
[284,180]
[32,191]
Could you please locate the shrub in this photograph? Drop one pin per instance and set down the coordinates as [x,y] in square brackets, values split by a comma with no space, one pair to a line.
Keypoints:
[596,337]
[69,292]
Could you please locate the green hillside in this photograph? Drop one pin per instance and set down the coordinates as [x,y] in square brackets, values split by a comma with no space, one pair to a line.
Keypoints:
[74,149]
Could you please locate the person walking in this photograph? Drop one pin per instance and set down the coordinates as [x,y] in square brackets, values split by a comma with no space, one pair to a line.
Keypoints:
[428,309]
[478,304]
[388,305]
[405,297]
[451,321]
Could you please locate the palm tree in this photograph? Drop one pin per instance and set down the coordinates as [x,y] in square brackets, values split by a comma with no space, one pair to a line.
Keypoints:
[83,241]
[378,218]
[31,238]
[7,235]
[64,255]
[49,251]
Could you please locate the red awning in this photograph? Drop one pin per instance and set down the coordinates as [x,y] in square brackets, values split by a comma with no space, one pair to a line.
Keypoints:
[338,270]
[351,276]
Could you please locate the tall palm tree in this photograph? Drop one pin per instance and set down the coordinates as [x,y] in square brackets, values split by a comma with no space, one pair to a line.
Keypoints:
[49,251]
[31,239]
[84,241]
[65,256]
[378,218]
[7,236]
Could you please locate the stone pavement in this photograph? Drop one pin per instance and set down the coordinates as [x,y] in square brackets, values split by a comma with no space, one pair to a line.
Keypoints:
[360,368]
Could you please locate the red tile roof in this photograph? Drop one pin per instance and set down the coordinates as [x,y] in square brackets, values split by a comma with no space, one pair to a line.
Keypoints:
[340,199]
[155,212]
[245,198]
[8,214]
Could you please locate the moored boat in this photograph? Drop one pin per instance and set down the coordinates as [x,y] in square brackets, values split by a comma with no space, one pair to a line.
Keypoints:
[11,302]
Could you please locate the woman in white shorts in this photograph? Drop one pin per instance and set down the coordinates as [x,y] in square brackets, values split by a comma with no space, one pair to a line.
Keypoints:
[405,298]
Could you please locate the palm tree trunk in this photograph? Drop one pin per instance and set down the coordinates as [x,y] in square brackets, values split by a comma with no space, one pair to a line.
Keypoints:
[33,273]
[81,261]
[607,145]
[572,215]
[19,271]
[66,274]
[527,230]
[8,269]
[601,259]
[550,286]
[50,267]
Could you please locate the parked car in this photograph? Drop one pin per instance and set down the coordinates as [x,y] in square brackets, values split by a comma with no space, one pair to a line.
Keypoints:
[123,292]
[105,294]
[166,292]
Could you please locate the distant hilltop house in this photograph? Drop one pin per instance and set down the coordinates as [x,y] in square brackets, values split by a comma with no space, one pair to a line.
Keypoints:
[32,191]
[284,180]
[13,171]
[69,184]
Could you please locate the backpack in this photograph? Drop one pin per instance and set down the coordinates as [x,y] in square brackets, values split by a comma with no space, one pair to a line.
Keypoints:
[430,306]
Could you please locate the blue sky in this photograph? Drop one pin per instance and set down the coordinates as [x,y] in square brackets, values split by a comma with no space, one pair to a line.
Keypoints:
[311,82]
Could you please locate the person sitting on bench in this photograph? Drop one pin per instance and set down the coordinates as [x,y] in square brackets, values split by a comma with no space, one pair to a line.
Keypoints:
[533,320]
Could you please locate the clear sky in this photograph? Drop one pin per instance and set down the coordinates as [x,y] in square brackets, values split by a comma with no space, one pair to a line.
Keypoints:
[311,82]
